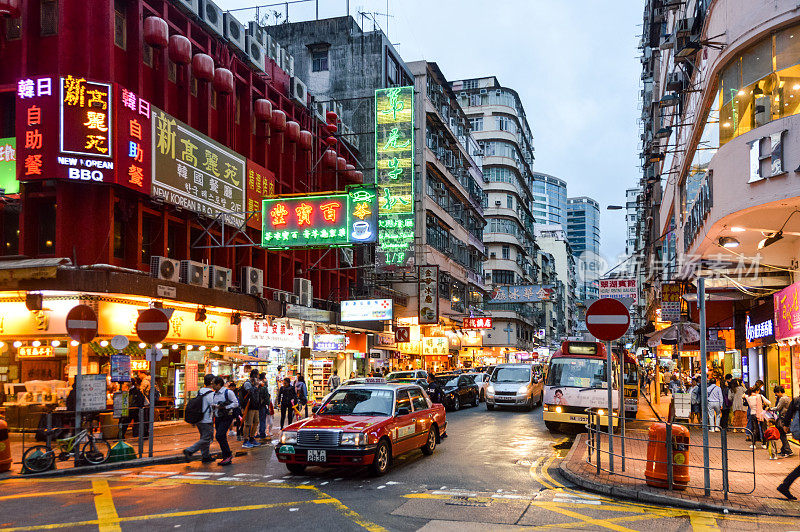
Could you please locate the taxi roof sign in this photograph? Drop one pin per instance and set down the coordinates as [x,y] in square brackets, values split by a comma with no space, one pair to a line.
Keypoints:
[374,380]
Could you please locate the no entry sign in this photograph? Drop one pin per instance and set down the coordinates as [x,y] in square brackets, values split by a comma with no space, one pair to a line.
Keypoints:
[152,326]
[607,319]
[82,324]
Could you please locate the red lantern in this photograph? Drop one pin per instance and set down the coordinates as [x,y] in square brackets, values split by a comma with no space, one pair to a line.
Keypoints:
[156,31]
[329,158]
[341,164]
[331,117]
[350,171]
[293,131]
[11,8]
[331,141]
[180,49]
[306,140]
[203,67]
[278,120]
[263,109]
[223,81]
[358,176]
[332,128]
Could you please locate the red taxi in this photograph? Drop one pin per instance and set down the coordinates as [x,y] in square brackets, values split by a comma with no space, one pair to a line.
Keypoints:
[364,425]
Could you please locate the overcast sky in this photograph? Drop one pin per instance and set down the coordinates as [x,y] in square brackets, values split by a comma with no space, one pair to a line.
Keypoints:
[574,63]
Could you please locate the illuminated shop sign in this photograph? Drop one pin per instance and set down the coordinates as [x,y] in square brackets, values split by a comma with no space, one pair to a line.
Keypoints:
[394,175]
[193,171]
[530,293]
[85,118]
[367,310]
[8,166]
[267,334]
[754,331]
[43,351]
[260,185]
[329,342]
[477,323]
[323,220]
[435,345]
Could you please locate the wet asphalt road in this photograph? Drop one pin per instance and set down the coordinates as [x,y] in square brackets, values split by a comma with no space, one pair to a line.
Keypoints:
[495,470]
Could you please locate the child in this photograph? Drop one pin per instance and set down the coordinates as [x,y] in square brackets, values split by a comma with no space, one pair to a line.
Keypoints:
[772,436]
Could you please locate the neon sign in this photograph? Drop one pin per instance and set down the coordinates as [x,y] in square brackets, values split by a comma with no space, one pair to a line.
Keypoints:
[320,220]
[8,166]
[394,175]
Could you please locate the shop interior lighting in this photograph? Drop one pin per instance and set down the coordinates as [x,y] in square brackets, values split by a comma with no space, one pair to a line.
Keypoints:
[159,346]
[215,348]
[174,347]
[200,315]
[73,343]
[728,242]
[55,343]
[36,343]
[142,345]
[104,343]
[17,344]
[202,348]
[189,347]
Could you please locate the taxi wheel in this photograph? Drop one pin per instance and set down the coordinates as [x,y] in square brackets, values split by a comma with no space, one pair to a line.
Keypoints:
[383,457]
[430,442]
[456,403]
[296,468]
[476,400]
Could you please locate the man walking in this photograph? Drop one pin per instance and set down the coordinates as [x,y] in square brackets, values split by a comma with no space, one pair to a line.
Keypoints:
[250,404]
[223,404]
[264,414]
[204,426]
[782,406]
[334,381]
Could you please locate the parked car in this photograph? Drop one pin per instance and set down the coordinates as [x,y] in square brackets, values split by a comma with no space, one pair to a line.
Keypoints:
[411,374]
[515,385]
[482,380]
[458,390]
[364,425]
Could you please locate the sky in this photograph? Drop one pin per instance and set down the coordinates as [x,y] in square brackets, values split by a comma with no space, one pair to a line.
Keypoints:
[574,63]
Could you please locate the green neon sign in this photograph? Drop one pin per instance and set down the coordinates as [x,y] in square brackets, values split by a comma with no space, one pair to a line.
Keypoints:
[394,175]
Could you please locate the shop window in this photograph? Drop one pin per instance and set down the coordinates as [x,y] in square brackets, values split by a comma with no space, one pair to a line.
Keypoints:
[49,17]
[47,228]
[120,31]
[13,28]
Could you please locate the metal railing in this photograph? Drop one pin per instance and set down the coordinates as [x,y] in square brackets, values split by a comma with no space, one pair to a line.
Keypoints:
[633,450]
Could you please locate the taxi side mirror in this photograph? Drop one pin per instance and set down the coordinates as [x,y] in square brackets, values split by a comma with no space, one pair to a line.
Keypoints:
[402,412]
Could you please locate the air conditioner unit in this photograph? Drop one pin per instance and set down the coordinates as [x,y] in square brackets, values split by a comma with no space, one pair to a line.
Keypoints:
[234,32]
[299,91]
[211,16]
[256,53]
[258,33]
[320,108]
[194,273]
[286,297]
[219,278]
[684,26]
[287,62]
[273,49]
[189,6]
[252,281]
[484,91]
[304,290]
[164,268]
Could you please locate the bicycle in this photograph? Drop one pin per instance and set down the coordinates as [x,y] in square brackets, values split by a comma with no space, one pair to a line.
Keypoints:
[40,458]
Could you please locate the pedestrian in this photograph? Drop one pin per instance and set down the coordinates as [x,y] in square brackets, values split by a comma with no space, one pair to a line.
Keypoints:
[136,401]
[736,392]
[352,374]
[334,381]
[751,428]
[435,389]
[694,398]
[223,406]
[714,412]
[757,403]
[249,402]
[791,412]
[264,411]
[205,426]
[287,397]
[301,390]
[238,422]
[781,406]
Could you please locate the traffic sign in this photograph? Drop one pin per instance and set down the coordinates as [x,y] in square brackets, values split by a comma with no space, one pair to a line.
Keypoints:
[152,326]
[82,324]
[607,319]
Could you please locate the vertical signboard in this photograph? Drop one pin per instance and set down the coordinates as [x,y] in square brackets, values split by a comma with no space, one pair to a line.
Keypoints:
[8,166]
[394,175]
[134,146]
[260,185]
[428,294]
[85,118]
[37,115]
[671,302]
[195,172]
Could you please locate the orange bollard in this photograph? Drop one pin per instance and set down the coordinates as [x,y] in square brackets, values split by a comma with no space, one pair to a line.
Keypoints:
[656,473]
[5,447]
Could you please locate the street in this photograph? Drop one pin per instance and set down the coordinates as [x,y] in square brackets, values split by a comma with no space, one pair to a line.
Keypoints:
[495,470]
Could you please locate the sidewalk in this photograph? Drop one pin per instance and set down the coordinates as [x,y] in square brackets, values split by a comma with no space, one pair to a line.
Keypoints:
[752,476]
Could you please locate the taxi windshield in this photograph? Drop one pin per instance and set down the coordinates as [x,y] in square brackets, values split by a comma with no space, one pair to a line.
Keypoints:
[359,402]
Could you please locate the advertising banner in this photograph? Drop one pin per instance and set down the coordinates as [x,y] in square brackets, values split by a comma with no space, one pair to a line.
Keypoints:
[531,293]
[260,185]
[120,368]
[8,166]
[618,288]
[329,342]
[428,294]
[477,323]
[196,172]
[93,393]
[787,312]
[367,310]
[394,175]
[265,334]
[671,301]
[121,404]
[191,376]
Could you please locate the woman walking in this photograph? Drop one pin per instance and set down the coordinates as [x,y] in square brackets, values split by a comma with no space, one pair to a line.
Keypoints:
[287,397]
[736,393]
[757,403]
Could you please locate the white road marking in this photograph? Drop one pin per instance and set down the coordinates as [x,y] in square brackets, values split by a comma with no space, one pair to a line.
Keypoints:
[576,501]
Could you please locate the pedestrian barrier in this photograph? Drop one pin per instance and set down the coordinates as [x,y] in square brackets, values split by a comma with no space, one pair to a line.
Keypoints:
[645,456]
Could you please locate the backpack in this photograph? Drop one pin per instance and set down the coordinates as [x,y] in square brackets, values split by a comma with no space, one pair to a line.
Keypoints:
[248,397]
[194,409]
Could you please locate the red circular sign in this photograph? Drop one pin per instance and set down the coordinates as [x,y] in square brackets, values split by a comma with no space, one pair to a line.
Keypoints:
[607,319]
[82,324]
[152,326]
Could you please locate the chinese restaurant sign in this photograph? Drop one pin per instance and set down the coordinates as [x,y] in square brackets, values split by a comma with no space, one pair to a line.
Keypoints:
[8,166]
[531,293]
[435,345]
[260,185]
[428,294]
[477,323]
[82,130]
[394,175]
[787,312]
[195,172]
[323,220]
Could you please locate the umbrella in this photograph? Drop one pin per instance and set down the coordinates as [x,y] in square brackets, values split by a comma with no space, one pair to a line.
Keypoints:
[687,332]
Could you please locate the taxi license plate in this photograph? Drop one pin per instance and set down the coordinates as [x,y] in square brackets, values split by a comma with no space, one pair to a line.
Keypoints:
[577,418]
[317,456]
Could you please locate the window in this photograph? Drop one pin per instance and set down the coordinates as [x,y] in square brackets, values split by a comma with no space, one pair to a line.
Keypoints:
[47,228]
[509,201]
[403,401]
[502,277]
[319,60]
[476,124]
[120,32]
[506,252]
[503,123]
[418,400]
[13,28]
[392,71]
[49,18]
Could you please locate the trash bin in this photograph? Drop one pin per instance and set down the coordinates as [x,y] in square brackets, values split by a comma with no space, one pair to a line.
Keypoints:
[109,426]
[656,473]
[5,447]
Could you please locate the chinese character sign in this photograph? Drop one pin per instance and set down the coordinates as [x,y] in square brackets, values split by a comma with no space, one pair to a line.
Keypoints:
[394,174]
[435,345]
[36,122]
[195,172]
[85,117]
[531,293]
[787,312]
[671,301]
[618,288]
[8,166]
[428,294]
[477,323]
[367,310]
[133,142]
[260,186]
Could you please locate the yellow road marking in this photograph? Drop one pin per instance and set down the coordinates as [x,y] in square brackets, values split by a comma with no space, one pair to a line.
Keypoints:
[107,518]
[605,523]
[53,493]
[353,516]
[702,521]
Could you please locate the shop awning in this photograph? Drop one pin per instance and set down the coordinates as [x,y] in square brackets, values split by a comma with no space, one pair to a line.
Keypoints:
[686,332]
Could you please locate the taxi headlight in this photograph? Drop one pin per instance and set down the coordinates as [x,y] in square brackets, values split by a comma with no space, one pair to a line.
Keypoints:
[601,412]
[353,438]
[490,390]
[559,410]
[288,437]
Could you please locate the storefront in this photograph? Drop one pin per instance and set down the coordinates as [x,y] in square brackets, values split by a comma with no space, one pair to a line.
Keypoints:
[273,344]
[786,326]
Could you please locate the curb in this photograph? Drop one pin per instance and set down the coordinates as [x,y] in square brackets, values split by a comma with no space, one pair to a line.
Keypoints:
[647,496]
[108,466]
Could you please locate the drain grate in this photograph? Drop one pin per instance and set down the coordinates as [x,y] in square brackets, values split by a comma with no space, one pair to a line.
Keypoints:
[463,500]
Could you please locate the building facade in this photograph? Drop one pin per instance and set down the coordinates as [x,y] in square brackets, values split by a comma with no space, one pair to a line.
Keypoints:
[583,232]
[553,242]
[631,220]
[549,200]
